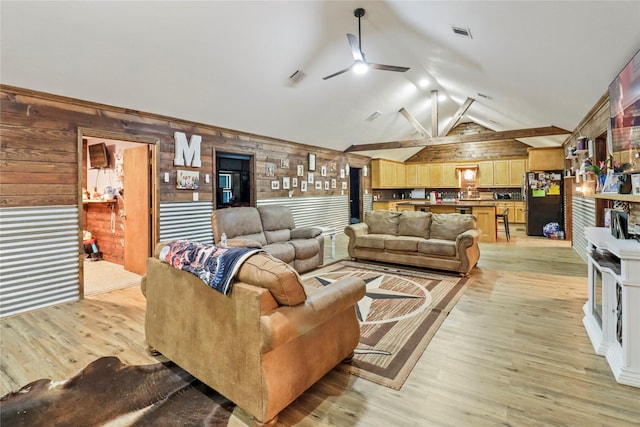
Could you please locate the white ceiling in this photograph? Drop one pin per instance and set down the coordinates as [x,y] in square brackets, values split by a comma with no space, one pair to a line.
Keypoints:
[227,63]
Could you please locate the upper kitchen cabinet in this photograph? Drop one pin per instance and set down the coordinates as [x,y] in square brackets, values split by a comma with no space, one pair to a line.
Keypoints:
[388,174]
[517,168]
[484,176]
[509,173]
[450,176]
[546,159]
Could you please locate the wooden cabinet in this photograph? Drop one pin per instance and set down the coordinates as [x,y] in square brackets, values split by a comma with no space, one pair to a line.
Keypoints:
[520,212]
[436,175]
[546,159]
[411,174]
[484,175]
[450,176]
[385,206]
[517,168]
[424,178]
[387,174]
[501,173]
[486,220]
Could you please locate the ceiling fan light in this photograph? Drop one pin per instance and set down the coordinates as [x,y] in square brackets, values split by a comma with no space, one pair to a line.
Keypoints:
[360,67]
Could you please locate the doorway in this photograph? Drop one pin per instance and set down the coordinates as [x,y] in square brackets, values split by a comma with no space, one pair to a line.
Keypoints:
[355,204]
[118,210]
[233,180]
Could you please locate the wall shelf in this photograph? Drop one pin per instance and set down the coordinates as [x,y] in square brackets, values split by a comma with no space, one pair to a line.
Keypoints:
[615,196]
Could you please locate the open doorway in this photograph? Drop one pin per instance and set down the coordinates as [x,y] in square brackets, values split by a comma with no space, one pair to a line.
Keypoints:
[355,204]
[233,178]
[117,213]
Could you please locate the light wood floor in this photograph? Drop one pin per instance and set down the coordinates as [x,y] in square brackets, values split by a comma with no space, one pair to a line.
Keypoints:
[512,352]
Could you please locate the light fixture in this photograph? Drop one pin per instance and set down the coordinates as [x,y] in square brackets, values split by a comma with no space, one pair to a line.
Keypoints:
[360,67]
[469,174]
[346,169]
[364,170]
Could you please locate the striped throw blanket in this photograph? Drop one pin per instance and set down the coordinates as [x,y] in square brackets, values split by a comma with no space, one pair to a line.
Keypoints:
[214,265]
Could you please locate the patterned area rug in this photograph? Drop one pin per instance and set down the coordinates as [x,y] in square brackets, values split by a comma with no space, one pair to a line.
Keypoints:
[401,312]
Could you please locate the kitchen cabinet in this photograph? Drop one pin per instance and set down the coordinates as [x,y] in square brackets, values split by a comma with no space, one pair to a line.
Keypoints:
[450,176]
[509,173]
[387,174]
[484,174]
[501,176]
[385,206]
[436,175]
[411,174]
[520,212]
[517,168]
[546,159]
[486,221]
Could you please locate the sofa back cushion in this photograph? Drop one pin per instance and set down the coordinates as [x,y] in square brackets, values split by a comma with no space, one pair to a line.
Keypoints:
[282,281]
[449,226]
[277,223]
[382,222]
[417,224]
[243,222]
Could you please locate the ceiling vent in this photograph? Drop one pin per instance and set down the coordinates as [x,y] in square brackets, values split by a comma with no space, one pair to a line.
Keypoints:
[482,95]
[297,76]
[464,32]
[373,116]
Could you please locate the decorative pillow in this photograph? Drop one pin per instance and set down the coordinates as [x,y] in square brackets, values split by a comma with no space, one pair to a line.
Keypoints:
[450,226]
[264,271]
[382,222]
[416,224]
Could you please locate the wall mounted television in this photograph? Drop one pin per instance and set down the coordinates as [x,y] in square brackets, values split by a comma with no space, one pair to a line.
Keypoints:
[98,156]
[624,102]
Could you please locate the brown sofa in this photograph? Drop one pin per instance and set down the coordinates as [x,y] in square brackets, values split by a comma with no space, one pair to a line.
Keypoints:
[422,239]
[273,229]
[264,343]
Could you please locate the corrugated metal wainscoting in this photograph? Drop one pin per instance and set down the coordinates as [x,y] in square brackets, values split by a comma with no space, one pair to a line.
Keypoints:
[367,203]
[584,215]
[331,211]
[39,257]
[191,220]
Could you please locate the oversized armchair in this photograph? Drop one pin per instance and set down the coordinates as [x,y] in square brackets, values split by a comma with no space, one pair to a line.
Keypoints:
[264,343]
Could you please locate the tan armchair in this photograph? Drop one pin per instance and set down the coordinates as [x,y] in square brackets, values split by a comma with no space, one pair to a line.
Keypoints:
[262,345]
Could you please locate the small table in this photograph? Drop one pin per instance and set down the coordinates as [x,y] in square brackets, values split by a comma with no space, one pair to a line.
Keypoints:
[331,232]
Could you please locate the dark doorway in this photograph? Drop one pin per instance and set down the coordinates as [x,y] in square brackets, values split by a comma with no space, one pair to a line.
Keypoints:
[233,180]
[354,195]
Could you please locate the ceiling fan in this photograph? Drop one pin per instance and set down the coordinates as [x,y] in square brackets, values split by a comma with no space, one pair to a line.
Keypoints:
[360,64]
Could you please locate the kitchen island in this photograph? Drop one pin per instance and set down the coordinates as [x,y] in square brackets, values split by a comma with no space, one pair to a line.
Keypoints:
[485,212]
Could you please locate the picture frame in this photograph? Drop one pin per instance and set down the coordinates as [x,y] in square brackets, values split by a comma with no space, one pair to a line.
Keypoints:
[344,185]
[333,166]
[310,177]
[318,185]
[286,183]
[275,185]
[326,185]
[284,163]
[334,183]
[270,170]
[187,180]
[300,171]
[323,171]
[294,182]
[303,186]
[312,162]
[342,173]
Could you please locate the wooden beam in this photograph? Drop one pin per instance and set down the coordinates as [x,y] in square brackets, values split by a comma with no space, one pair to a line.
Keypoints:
[474,137]
[434,112]
[415,123]
[457,116]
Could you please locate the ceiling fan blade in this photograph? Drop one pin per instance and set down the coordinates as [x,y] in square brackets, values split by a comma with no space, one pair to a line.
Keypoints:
[337,74]
[355,48]
[388,67]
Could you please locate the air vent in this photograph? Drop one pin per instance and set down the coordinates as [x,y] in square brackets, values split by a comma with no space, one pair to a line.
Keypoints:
[482,95]
[464,32]
[373,116]
[297,76]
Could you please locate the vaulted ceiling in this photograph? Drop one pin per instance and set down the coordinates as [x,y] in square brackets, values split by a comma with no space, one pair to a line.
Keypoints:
[228,63]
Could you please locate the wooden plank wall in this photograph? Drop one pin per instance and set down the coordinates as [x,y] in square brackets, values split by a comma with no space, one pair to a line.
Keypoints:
[471,150]
[39,156]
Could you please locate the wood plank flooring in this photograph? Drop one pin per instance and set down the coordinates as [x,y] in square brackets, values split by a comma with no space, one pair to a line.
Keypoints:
[512,352]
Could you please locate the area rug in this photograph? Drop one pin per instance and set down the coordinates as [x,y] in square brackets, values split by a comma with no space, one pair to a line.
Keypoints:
[108,392]
[400,313]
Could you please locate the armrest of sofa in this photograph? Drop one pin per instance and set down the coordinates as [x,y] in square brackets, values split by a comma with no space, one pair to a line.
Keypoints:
[305,232]
[288,322]
[353,231]
[468,238]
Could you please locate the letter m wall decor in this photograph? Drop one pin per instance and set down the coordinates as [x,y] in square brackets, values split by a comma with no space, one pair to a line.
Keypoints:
[187,152]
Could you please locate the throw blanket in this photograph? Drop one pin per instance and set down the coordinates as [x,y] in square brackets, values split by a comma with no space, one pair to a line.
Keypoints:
[214,265]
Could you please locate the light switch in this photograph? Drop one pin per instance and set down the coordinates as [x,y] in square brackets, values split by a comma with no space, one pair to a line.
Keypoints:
[166,177]
[206,178]
[196,197]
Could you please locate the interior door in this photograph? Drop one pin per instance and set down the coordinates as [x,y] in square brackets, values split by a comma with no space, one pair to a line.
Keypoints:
[137,203]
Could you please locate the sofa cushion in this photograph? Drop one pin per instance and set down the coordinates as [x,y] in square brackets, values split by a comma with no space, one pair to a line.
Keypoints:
[449,226]
[305,248]
[382,222]
[282,281]
[278,236]
[437,247]
[375,241]
[277,223]
[402,243]
[243,222]
[416,224]
[283,251]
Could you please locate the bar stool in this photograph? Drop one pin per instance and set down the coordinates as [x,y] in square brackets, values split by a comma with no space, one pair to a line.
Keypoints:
[463,210]
[505,219]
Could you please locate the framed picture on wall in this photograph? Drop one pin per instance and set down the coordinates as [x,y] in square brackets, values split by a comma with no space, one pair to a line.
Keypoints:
[326,185]
[310,177]
[294,182]
[284,163]
[188,180]
[275,185]
[270,169]
[323,170]
[303,186]
[318,185]
[300,170]
[333,183]
[312,162]
[344,185]
[286,182]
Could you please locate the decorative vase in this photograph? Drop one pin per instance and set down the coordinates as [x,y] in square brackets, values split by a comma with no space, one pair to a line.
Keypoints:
[600,183]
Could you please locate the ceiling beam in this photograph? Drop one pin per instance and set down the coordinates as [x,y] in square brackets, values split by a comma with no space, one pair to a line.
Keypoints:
[457,116]
[474,137]
[434,112]
[416,124]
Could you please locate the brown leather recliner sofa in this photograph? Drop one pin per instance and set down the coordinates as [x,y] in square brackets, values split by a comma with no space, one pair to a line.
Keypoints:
[272,228]
[264,343]
[421,239]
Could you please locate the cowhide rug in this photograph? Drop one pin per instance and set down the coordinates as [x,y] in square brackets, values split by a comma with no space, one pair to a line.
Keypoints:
[108,392]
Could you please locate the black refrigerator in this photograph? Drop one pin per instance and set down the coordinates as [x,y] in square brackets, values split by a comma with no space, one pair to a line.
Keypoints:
[544,194]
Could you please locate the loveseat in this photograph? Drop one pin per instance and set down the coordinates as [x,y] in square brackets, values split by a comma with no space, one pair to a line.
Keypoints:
[264,343]
[422,239]
[273,229]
